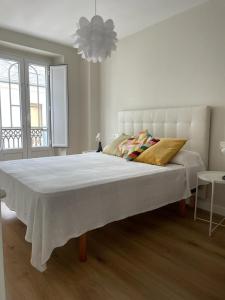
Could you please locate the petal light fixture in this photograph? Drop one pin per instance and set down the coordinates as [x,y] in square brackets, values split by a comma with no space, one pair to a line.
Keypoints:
[95,40]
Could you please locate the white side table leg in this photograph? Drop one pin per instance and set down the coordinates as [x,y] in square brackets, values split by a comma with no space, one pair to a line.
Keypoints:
[211,208]
[196,201]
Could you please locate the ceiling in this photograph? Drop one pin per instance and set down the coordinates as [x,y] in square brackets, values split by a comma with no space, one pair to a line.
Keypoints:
[56,19]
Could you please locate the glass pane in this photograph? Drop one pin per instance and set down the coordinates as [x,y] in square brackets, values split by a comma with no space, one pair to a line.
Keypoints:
[14,73]
[37,75]
[16,116]
[10,104]
[9,71]
[33,94]
[38,105]
[35,114]
[5,105]
[42,101]
[32,77]
[15,94]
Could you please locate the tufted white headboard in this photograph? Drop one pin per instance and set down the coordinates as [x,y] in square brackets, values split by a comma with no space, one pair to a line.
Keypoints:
[192,123]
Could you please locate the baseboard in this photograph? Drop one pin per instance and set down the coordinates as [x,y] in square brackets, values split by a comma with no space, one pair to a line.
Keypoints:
[218,209]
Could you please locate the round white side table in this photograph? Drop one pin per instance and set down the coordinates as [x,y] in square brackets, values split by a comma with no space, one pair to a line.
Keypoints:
[214,178]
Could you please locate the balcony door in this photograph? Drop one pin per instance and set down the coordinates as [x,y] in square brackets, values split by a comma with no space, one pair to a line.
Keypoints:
[24,109]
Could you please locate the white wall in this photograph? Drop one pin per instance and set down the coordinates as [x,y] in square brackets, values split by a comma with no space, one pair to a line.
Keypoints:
[90,105]
[178,62]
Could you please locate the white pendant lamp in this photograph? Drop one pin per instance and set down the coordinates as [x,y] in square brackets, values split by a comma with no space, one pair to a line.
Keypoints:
[95,40]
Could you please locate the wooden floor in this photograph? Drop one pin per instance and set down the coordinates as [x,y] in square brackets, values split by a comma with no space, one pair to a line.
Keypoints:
[154,256]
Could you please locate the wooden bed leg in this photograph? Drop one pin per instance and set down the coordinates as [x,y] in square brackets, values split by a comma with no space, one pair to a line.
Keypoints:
[83,247]
[182,208]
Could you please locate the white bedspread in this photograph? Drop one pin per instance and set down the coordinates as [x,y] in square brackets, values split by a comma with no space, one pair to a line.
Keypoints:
[62,197]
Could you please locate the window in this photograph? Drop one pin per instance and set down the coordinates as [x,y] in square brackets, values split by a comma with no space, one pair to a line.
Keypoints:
[24,120]
[25,112]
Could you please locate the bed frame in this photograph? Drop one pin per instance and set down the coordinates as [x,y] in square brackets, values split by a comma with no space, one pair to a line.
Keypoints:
[192,123]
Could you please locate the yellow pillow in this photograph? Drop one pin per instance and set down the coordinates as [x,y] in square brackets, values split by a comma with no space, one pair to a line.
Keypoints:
[113,149]
[161,153]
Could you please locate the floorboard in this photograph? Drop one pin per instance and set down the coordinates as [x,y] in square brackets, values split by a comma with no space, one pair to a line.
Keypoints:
[156,255]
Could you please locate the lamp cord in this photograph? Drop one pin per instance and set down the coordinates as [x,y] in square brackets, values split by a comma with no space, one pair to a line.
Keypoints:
[95,7]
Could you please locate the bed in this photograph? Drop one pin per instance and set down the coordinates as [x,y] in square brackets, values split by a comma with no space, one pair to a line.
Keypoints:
[59,198]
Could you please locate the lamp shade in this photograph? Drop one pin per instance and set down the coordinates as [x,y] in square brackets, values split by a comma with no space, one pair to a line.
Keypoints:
[95,40]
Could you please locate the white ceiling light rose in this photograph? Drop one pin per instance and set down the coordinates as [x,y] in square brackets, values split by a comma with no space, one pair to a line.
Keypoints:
[95,40]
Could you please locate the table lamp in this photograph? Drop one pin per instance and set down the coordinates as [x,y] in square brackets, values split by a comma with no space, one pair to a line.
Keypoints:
[98,139]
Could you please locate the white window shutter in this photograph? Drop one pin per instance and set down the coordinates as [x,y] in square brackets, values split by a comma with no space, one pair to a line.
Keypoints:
[59,105]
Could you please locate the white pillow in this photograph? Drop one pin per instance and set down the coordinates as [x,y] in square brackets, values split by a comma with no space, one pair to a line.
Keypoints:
[188,159]
[193,164]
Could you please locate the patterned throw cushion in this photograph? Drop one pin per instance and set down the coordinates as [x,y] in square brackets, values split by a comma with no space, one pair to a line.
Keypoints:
[133,143]
[143,136]
[127,145]
[112,149]
[134,154]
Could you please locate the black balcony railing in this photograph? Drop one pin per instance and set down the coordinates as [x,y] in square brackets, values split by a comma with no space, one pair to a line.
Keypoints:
[12,137]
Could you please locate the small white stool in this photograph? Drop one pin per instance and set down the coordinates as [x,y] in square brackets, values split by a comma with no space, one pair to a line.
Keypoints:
[212,177]
[2,277]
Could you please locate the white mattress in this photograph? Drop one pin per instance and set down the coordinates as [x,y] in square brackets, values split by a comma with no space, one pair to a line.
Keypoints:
[62,197]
